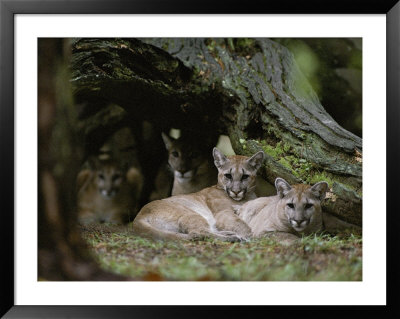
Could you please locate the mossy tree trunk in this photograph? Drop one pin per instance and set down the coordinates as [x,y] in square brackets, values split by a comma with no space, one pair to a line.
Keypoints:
[249,89]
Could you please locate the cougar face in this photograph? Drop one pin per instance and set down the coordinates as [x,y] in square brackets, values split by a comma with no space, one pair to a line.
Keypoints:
[237,174]
[183,157]
[301,202]
[109,180]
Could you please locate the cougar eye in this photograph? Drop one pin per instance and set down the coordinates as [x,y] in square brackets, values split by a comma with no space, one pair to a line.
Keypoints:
[244,177]
[308,205]
[290,205]
[175,154]
[228,176]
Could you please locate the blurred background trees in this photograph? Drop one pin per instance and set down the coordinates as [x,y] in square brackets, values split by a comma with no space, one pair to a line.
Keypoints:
[333,67]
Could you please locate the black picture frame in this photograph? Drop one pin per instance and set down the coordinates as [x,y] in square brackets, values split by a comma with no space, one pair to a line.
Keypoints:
[8,10]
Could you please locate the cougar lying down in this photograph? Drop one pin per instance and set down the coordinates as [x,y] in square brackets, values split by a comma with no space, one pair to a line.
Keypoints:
[294,210]
[108,193]
[207,213]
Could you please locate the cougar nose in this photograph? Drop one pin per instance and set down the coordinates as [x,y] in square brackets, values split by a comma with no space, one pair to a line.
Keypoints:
[180,173]
[108,193]
[299,221]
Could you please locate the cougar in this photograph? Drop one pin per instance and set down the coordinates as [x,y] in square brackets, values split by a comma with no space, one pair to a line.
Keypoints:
[294,210]
[108,193]
[207,213]
[191,165]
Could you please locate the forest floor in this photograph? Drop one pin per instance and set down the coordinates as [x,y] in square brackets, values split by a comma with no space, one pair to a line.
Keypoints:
[313,258]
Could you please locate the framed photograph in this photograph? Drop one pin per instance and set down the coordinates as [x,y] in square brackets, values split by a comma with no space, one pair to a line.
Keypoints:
[306,86]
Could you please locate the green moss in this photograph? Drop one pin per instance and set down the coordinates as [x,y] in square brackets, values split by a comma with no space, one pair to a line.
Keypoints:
[287,156]
[321,177]
[300,167]
[277,151]
[286,147]
[285,163]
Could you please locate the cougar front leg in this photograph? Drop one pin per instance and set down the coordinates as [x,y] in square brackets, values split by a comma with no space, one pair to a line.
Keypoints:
[281,237]
[198,229]
[86,217]
[227,221]
[117,218]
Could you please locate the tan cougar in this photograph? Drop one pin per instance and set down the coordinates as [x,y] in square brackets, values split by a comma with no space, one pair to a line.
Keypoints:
[295,210]
[207,213]
[108,193]
[190,164]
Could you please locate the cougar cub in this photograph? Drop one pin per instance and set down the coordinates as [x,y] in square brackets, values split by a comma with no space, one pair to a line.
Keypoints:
[108,192]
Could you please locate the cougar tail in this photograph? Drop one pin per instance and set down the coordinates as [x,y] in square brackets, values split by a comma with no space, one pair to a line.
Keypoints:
[143,228]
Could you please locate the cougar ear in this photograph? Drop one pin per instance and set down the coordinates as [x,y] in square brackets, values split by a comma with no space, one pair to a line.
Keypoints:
[282,187]
[219,158]
[167,140]
[256,160]
[319,190]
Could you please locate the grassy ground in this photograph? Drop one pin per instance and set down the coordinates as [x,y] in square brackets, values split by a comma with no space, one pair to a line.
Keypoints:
[314,258]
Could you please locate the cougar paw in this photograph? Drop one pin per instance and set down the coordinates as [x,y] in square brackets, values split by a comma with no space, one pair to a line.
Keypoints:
[227,233]
[236,209]
[232,236]
[197,236]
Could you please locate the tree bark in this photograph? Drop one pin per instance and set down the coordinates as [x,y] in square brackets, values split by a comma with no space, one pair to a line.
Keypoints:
[336,72]
[62,255]
[249,89]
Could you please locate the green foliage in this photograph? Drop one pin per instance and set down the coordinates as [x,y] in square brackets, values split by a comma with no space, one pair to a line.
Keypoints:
[309,65]
[315,257]
[355,60]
